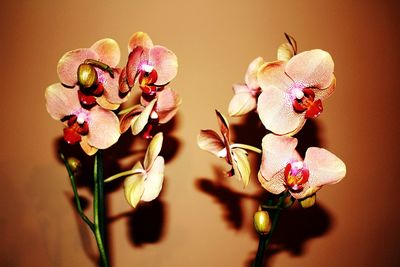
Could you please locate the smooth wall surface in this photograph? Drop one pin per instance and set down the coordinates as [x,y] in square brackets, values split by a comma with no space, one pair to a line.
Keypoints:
[201,218]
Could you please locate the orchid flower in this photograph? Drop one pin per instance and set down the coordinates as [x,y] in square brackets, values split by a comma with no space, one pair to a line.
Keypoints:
[293,91]
[245,95]
[145,181]
[149,114]
[283,169]
[95,128]
[152,66]
[235,156]
[92,70]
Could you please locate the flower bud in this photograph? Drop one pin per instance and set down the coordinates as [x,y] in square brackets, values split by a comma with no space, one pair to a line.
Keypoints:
[87,75]
[75,165]
[262,222]
[308,201]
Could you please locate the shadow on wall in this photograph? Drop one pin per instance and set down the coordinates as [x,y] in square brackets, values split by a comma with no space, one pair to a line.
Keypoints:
[146,222]
[296,225]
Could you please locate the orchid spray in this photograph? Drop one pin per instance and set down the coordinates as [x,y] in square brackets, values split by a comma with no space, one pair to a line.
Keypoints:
[285,93]
[88,100]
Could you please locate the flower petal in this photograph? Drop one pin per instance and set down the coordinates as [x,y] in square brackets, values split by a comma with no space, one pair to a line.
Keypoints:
[111,87]
[139,39]
[127,118]
[285,52]
[312,68]
[68,64]
[61,101]
[167,104]
[153,150]
[136,56]
[143,118]
[108,51]
[210,141]
[88,149]
[154,181]
[103,128]
[324,166]
[275,110]
[273,74]
[242,165]
[241,104]
[277,151]
[165,63]
[275,185]
[134,188]
[251,73]
[326,92]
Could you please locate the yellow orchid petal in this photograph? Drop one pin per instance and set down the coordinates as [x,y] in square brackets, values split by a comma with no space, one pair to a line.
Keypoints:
[242,165]
[134,188]
[153,150]
[141,121]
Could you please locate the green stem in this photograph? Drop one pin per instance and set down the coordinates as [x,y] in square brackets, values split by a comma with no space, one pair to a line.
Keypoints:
[247,147]
[99,208]
[76,195]
[264,240]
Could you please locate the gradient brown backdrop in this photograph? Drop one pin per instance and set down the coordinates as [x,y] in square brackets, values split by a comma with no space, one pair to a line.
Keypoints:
[201,219]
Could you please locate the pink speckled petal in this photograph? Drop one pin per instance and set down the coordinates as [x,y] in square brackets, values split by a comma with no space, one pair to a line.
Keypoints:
[165,63]
[139,39]
[210,141]
[251,73]
[326,92]
[277,151]
[273,74]
[61,101]
[167,104]
[275,185]
[103,128]
[108,51]
[68,64]
[136,56]
[312,68]
[324,166]
[154,180]
[111,87]
[275,110]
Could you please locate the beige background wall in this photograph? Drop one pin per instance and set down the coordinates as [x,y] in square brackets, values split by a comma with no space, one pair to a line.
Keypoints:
[202,219]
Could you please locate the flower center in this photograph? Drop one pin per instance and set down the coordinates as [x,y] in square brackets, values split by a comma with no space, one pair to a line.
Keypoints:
[296,175]
[77,126]
[304,101]
[147,77]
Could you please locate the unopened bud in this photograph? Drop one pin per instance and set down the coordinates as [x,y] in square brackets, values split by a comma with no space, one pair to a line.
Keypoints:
[308,201]
[75,165]
[87,75]
[262,222]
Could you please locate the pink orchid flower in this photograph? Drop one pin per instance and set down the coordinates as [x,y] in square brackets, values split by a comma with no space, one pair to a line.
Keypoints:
[293,91]
[245,95]
[146,180]
[152,66]
[92,70]
[210,141]
[282,168]
[146,116]
[94,129]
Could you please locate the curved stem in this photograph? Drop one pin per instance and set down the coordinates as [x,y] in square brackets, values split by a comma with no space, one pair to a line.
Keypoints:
[247,147]
[99,208]
[76,195]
